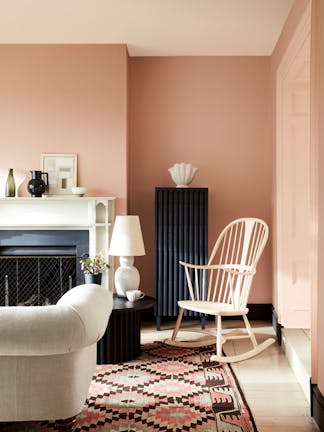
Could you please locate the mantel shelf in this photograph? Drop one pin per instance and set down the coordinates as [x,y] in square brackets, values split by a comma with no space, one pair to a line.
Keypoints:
[56,226]
[46,227]
[45,199]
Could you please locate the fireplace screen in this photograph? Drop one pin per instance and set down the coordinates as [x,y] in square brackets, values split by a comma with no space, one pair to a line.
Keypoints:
[36,280]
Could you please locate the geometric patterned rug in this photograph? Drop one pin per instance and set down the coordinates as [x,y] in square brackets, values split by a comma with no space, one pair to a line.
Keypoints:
[167,389]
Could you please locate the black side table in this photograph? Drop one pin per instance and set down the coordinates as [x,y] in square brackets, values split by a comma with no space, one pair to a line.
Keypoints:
[122,339]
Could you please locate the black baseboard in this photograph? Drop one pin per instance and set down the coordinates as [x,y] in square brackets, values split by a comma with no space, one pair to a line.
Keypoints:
[277,326]
[260,311]
[317,406]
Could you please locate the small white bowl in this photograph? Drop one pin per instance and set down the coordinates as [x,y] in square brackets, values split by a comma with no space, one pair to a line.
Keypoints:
[79,191]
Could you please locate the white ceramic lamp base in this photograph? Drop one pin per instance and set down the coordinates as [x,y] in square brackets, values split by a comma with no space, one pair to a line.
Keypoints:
[127,276]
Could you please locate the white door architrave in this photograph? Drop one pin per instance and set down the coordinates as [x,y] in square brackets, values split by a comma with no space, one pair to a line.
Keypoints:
[295,248]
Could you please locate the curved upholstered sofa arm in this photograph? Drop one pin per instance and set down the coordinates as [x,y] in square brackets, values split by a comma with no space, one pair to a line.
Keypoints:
[78,319]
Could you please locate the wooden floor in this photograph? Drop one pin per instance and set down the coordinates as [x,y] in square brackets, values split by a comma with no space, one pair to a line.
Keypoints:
[271,388]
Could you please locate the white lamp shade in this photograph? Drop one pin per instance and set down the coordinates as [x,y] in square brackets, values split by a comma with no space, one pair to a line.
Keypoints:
[126,239]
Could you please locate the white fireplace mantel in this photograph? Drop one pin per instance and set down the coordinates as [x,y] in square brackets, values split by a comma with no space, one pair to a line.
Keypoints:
[95,214]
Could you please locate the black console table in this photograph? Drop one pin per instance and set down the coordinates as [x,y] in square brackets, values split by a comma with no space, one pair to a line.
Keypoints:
[122,339]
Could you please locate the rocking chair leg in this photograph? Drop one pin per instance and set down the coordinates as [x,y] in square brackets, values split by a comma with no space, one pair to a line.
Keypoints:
[250,331]
[203,322]
[178,323]
[219,341]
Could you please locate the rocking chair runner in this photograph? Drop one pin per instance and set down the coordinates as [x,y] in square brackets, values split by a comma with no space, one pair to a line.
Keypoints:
[222,287]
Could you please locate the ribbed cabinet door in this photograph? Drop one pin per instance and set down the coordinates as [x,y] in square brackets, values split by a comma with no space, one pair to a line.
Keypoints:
[181,234]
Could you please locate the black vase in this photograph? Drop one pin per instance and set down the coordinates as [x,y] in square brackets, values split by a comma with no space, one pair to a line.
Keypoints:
[37,186]
[93,278]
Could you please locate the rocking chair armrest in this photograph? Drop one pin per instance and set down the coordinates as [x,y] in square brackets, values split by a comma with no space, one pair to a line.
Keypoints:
[230,268]
[238,269]
[199,266]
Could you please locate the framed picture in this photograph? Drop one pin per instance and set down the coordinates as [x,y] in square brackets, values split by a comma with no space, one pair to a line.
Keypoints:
[62,172]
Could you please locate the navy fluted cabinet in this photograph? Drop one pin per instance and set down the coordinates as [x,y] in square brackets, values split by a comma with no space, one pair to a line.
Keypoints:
[181,234]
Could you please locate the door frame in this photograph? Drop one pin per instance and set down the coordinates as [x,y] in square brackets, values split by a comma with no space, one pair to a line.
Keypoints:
[302,32]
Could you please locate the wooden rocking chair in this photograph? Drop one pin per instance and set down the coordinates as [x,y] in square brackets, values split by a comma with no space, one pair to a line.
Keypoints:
[221,288]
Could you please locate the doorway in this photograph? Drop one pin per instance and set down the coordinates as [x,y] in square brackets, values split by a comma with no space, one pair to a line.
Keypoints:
[295,245]
[294,178]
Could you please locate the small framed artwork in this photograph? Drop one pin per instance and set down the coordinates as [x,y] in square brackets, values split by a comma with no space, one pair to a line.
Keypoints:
[62,172]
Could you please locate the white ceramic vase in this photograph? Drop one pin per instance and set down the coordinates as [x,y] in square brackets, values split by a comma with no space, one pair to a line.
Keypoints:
[182,174]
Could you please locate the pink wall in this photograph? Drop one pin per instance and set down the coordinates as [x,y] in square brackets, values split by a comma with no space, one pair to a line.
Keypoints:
[213,112]
[318,136]
[67,99]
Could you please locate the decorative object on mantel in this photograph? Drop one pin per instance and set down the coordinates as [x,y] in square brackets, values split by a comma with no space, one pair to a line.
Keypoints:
[62,172]
[10,185]
[126,242]
[79,191]
[36,185]
[93,267]
[19,177]
[182,173]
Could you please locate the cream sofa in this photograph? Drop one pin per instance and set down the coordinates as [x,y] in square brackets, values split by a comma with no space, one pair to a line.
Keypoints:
[48,354]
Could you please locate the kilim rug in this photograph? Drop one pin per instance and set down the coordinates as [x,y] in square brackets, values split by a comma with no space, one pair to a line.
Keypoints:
[167,389]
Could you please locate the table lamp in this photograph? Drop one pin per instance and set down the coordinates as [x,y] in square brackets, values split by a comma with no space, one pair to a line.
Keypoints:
[126,242]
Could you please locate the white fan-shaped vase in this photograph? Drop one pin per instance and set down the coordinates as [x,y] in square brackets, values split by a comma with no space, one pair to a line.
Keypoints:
[182,174]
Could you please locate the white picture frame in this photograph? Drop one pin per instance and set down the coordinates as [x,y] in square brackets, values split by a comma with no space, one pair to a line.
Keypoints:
[62,172]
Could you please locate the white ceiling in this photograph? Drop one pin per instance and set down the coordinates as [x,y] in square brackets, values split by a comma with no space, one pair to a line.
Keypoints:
[149,27]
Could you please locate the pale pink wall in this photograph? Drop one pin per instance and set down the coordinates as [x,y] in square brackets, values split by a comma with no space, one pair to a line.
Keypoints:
[213,112]
[318,136]
[67,99]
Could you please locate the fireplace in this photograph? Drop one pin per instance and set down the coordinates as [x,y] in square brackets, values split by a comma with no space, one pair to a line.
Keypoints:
[42,240]
[39,266]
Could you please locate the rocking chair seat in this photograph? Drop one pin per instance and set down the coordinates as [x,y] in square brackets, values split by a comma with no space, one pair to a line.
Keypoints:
[211,308]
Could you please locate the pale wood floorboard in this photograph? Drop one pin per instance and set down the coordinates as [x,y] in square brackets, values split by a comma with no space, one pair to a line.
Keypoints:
[271,389]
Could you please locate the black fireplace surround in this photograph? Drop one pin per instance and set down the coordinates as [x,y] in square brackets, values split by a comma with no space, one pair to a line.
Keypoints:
[40,264]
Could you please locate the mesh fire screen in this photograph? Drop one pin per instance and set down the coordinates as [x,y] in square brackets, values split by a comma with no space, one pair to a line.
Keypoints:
[37,279]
